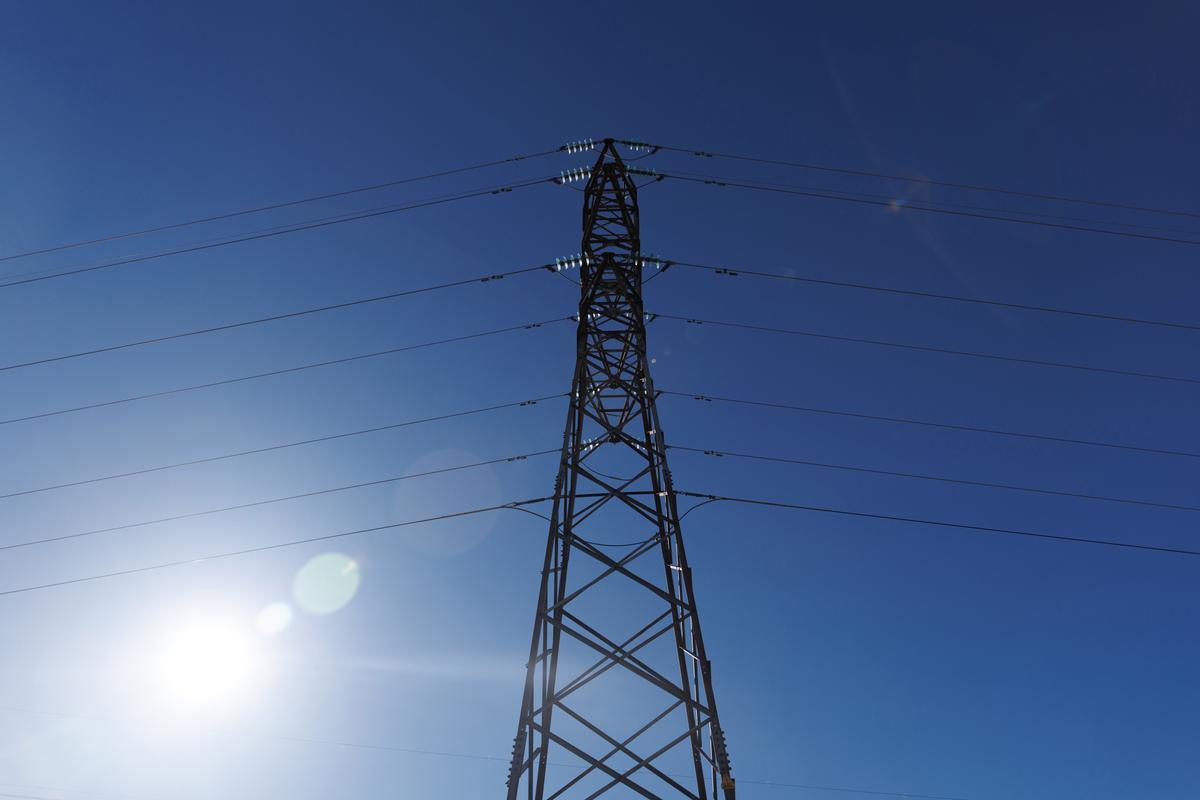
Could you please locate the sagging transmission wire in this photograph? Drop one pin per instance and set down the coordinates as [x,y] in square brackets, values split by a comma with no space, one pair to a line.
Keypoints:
[837,412]
[276,206]
[891,473]
[735,271]
[985,529]
[246,323]
[281,231]
[924,348]
[273,500]
[283,446]
[898,203]
[519,504]
[289,370]
[975,187]
[277,546]
[899,207]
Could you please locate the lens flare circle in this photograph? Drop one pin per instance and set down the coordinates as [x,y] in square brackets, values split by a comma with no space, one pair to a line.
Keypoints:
[326,583]
[273,618]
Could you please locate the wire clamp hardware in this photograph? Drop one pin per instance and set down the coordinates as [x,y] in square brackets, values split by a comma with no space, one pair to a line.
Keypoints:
[579,146]
[640,147]
[572,175]
[572,262]
[651,260]
[642,171]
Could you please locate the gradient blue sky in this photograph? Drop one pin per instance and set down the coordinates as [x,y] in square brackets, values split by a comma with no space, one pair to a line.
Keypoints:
[847,653]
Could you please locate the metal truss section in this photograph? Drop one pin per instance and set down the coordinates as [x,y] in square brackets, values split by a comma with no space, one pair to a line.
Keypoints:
[618,696]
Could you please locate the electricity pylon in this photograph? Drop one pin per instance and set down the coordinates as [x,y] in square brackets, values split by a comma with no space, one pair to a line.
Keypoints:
[618,691]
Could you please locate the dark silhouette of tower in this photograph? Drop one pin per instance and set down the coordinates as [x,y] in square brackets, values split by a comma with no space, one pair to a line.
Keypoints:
[618,694]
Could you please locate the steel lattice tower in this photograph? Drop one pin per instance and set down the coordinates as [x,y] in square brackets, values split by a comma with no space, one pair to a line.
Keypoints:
[617,636]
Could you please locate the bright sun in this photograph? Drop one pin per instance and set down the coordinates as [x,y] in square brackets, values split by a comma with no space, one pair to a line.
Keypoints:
[205,663]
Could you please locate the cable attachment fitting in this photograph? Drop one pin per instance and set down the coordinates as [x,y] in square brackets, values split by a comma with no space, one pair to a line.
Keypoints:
[640,147]
[579,146]
[572,175]
[650,173]
[651,260]
[572,262]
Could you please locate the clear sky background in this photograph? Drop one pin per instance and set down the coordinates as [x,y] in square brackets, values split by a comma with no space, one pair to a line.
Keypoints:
[847,653]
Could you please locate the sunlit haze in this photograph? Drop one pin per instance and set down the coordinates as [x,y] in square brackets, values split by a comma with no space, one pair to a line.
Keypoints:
[896,329]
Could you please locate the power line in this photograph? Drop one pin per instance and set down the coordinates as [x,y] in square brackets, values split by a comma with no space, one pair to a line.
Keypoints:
[937,478]
[930,424]
[897,204]
[444,754]
[286,370]
[275,206]
[270,501]
[267,234]
[927,349]
[284,227]
[58,790]
[255,504]
[286,445]
[724,182]
[272,318]
[516,504]
[52,271]
[736,271]
[943,524]
[949,184]
[276,546]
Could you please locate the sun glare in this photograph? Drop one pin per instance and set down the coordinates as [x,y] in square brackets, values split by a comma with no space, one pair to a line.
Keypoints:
[205,664]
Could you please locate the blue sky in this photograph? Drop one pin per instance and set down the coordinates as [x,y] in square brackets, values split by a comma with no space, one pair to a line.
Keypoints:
[847,653]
